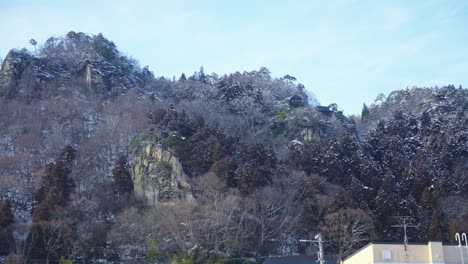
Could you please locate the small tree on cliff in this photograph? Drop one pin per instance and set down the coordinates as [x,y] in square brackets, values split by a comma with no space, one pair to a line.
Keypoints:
[34,43]
[122,179]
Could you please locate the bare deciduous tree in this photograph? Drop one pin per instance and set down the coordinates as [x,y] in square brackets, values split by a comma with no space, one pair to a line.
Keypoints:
[347,229]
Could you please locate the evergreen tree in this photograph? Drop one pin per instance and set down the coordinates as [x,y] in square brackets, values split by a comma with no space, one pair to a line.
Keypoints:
[434,231]
[425,120]
[263,162]
[338,202]
[245,178]
[383,208]
[122,179]
[341,161]
[202,76]
[34,43]
[358,192]
[56,185]
[6,220]
[422,176]
[426,198]
[6,214]
[182,77]
[365,112]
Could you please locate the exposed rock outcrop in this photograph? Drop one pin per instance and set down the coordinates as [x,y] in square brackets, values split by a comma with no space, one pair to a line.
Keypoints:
[158,175]
[12,69]
[14,64]
[75,65]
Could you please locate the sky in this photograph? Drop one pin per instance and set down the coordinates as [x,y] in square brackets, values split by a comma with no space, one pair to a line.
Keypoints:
[344,51]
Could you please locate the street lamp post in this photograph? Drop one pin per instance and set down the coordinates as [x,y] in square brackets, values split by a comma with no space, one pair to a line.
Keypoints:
[318,239]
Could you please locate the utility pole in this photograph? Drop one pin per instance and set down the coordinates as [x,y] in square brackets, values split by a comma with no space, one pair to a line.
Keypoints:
[404,220]
[320,243]
[318,240]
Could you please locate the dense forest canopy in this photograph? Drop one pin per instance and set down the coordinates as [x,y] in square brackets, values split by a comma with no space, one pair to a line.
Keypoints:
[264,164]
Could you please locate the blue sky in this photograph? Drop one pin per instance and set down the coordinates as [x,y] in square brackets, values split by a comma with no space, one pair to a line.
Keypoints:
[344,51]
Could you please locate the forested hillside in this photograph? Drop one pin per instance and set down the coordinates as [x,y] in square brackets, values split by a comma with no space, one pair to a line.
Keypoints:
[100,160]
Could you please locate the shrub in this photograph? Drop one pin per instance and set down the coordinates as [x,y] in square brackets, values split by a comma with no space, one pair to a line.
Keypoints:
[64,260]
[281,115]
[163,167]
[139,138]
[151,254]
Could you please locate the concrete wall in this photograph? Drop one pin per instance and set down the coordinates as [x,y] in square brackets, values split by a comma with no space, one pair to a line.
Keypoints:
[452,254]
[432,253]
[363,256]
[435,252]
[413,253]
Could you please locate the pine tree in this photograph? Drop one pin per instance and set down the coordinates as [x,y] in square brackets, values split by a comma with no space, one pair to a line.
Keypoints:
[34,43]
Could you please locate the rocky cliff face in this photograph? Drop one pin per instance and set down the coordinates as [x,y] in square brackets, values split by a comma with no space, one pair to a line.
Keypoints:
[158,175]
[75,65]
[15,63]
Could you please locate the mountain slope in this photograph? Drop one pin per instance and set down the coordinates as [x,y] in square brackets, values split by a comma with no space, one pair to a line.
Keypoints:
[265,167]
